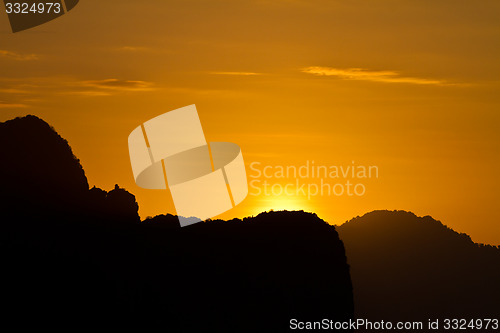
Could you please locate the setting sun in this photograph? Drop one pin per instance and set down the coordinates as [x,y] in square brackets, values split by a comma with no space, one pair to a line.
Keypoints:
[281,203]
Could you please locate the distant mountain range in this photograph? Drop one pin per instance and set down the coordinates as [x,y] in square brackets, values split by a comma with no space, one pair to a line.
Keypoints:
[79,257]
[407,267]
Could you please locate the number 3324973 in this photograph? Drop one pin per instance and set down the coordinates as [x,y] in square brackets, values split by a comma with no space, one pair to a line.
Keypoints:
[36,8]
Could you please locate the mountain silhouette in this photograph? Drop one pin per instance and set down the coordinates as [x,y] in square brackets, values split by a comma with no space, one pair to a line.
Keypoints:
[262,271]
[38,165]
[79,258]
[405,267]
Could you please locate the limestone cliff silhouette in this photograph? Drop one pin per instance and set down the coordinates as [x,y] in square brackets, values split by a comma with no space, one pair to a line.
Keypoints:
[261,271]
[40,173]
[79,258]
[409,267]
[38,166]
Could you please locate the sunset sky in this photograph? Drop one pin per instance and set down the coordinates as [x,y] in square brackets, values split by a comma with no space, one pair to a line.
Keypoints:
[411,87]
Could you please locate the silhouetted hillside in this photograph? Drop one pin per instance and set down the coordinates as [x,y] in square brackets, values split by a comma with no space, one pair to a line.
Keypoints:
[40,174]
[260,271]
[75,258]
[37,164]
[409,267]
[236,276]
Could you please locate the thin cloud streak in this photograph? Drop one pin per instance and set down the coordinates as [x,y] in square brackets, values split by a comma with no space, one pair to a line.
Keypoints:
[134,48]
[119,85]
[41,88]
[4,105]
[13,91]
[361,74]
[91,93]
[17,56]
[236,73]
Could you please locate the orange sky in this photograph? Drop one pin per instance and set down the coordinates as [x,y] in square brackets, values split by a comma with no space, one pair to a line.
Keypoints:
[408,86]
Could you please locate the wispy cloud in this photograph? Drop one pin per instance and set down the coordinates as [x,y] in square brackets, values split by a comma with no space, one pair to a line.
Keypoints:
[13,91]
[133,48]
[236,73]
[23,92]
[119,85]
[6,105]
[17,56]
[90,93]
[361,74]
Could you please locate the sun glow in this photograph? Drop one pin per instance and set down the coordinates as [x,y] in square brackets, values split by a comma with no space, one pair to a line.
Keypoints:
[277,203]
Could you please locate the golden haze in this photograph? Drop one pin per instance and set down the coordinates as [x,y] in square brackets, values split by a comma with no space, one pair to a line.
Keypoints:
[409,86]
